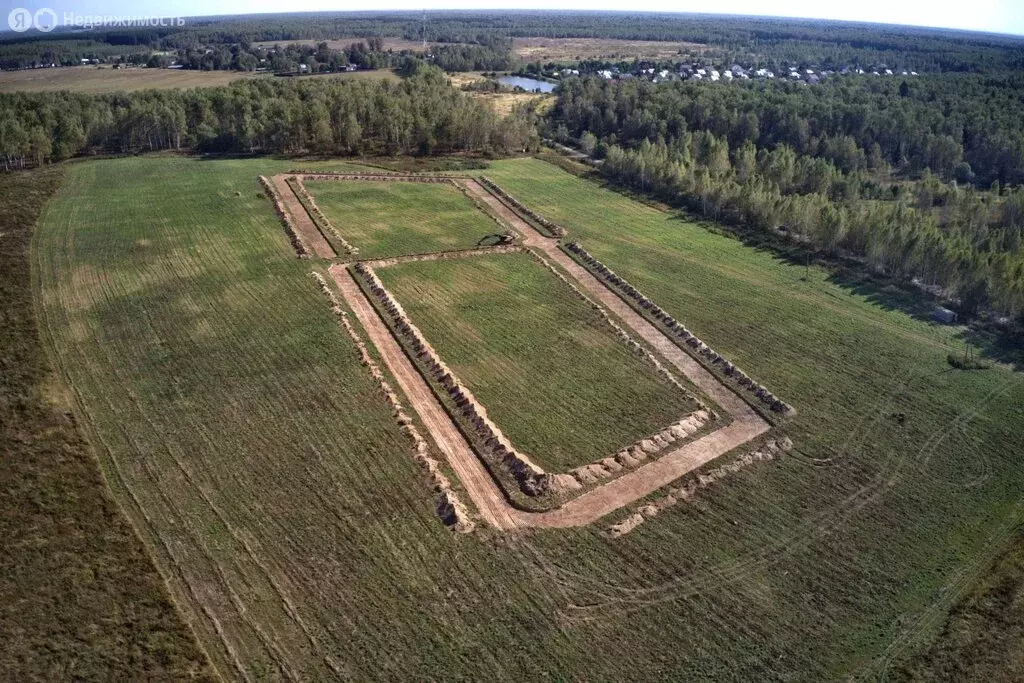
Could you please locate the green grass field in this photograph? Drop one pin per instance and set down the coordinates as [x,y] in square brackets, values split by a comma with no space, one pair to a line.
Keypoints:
[546,366]
[385,219]
[848,362]
[82,597]
[95,80]
[294,529]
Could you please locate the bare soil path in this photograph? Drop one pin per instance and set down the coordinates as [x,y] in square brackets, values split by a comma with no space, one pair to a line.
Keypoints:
[591,506]
[301,222]
[493,508]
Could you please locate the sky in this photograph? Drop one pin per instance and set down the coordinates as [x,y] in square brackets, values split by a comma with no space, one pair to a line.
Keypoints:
[998,16]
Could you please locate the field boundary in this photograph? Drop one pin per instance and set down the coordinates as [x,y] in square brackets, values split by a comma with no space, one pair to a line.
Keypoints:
[771,450]
[494,447]
[449,506]
[492,505]
[678,332]
[301,249]
[606,484]
[319,217]
[550,228]
[298,222]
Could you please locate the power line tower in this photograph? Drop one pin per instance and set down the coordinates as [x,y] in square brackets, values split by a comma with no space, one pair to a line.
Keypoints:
[423,31]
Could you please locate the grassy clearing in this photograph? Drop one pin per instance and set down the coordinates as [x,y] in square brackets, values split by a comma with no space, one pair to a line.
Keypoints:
[574,49]
[82,599]
[385,219]
[549,370]
[501,103]
[230,407]
[92,80]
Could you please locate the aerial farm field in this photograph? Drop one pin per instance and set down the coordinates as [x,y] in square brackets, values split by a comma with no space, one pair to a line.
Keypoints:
[387,219]
[572,49]
[92,79]
[241,431]
[546,365]
[96,80]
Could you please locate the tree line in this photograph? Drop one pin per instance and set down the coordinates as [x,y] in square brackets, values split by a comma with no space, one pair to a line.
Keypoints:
[757,171]
[824,44]
[420,115]
[959,126]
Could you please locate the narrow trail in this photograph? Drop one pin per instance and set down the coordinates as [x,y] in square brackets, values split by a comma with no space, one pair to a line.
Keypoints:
[603,500]
[301,221]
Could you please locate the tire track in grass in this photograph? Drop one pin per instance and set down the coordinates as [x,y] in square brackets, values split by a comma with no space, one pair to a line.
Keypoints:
[271,645]
[113,289]
[621,599]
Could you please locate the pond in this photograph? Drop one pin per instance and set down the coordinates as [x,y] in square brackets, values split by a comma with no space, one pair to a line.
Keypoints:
[530,84]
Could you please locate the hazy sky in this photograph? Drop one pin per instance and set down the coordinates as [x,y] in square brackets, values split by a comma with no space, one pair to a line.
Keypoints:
[1002,16]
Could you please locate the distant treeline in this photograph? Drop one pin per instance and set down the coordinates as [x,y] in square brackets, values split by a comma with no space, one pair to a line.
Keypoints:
[828,44]
[369,54]
[419,115]
[493,53]
[818,165]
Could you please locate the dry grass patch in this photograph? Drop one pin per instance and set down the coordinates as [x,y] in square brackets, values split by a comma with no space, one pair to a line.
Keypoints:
[573,49]
[94,80]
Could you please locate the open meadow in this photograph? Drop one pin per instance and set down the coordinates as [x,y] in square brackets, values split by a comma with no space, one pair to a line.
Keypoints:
[388,43]
[269,478]
[93,80]
[385,219]
[575,49]
[549,369]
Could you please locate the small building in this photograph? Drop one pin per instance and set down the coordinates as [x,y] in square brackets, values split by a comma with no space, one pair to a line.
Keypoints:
[944,316]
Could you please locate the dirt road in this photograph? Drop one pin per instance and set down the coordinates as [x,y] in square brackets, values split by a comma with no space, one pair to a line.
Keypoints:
[474,477]
[301,222]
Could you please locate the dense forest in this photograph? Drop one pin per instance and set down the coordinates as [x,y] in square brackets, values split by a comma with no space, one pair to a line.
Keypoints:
[420,115]
[849,167]
[959,126]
